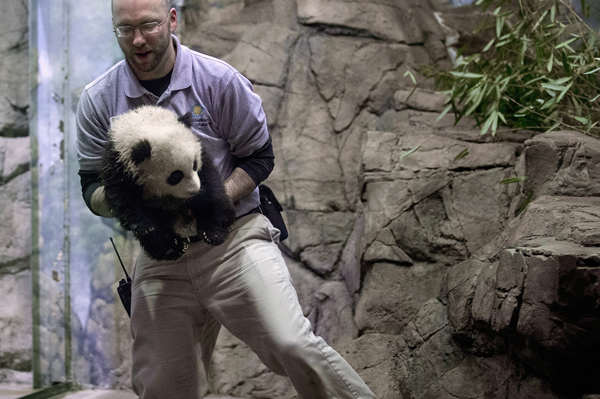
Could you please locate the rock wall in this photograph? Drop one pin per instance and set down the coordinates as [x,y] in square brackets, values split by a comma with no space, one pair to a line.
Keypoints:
[414,249]
[15,192]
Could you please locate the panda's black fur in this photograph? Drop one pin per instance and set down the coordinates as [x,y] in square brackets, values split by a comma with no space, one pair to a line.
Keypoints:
[152,219]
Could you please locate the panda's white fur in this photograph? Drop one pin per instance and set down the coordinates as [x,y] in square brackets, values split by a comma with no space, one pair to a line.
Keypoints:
[161,128]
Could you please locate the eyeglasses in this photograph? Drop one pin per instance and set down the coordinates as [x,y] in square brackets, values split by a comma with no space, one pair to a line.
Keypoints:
[148,28]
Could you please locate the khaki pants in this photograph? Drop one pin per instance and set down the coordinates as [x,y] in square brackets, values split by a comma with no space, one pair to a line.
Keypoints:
[244,285]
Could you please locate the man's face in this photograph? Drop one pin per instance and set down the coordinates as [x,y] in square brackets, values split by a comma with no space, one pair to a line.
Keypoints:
[150,55]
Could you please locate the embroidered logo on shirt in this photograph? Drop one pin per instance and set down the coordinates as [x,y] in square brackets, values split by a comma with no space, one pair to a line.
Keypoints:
[199,117]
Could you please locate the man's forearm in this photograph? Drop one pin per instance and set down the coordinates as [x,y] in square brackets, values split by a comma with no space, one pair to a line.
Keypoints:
[239,185]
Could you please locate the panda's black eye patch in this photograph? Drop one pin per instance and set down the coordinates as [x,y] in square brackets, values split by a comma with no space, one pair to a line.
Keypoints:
[141,151]
[195,165]
[175,177]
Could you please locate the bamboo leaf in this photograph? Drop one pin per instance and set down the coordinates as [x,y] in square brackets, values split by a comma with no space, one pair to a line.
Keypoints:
[553,87]
[592,71]
[562,80]
[411,75]
[462,154]
[549,103]
[444,112]
[489,45]
[407,153]
[565,62]
[499,26]
[502,117]
[556,125]
[539,20]
[466,75]
[495,123]
[567,88]
[486,126]
[524,42]
[502,43]
[566,43]
[538,74]
[550,62]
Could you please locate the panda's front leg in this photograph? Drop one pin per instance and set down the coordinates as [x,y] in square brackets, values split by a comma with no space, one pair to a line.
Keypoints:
[213,217]
[159,240]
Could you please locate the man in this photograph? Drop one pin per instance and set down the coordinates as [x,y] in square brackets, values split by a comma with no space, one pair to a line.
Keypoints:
[243,283]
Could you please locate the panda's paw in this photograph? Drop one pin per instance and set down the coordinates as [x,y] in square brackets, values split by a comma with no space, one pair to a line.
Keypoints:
[214,237]
[164,246]
[142,229]
[177,248]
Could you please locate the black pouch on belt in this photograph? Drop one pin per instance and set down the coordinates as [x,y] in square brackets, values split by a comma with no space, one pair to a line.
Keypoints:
[271,208]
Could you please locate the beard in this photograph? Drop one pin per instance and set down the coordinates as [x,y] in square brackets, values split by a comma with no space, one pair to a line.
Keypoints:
[148,57]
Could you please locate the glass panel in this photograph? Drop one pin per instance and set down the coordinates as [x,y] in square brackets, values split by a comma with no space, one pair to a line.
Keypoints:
[78,321]
[50,269]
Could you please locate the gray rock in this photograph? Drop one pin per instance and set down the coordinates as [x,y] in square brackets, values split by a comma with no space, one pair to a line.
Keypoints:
[15,213]
[237,371]
[312,229]
[487,378]
[480,205]
[14,80]
[393,295]
[271,100]
[350,265]
[385,249]
[569,220]
[423,369]
[346,75]
[15,321]
[419,99]
[332,315]
[375,358]
[563,163]
[391,20]
[262,54]
[15,156]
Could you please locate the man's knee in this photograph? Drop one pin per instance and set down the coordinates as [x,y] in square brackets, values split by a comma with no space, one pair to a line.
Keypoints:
[291,349]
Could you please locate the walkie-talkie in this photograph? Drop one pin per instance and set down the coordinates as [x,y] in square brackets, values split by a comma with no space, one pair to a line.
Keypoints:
[124,288]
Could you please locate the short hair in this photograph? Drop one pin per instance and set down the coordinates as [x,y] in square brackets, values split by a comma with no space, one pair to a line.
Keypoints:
[166,4]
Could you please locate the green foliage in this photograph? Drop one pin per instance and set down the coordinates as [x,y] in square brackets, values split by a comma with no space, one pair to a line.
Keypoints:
[540,70]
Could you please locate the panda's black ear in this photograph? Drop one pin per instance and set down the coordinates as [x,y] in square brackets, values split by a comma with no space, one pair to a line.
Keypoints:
[141,151]
[186,120]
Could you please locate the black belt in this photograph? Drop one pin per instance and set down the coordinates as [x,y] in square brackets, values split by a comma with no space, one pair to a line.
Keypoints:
[200,237]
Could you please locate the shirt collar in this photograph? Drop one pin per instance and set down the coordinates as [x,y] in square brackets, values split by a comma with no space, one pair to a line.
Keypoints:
[181,77]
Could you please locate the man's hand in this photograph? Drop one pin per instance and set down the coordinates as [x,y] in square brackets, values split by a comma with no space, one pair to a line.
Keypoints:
[239,185]
[99,204]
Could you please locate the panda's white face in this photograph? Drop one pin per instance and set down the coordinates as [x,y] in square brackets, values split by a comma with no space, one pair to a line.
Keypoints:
[170,173]
[160,152]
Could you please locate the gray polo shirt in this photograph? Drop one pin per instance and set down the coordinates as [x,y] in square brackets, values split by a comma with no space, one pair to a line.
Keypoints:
[226,113]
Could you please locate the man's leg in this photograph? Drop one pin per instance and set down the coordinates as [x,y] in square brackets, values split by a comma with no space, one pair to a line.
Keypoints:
[248,290]
[171,333]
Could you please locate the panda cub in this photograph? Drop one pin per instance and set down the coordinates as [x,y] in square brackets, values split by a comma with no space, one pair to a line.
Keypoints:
[162,185]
